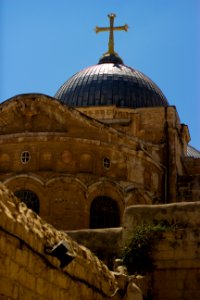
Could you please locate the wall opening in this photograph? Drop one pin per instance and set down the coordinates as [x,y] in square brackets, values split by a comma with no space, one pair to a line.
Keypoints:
[29,198]
[25,157]
[104,213]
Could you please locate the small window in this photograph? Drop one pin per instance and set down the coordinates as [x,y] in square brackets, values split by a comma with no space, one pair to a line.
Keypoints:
[25,157]
[106,163]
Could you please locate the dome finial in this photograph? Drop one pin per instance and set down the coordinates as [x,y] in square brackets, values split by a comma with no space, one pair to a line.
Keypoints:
[111,30]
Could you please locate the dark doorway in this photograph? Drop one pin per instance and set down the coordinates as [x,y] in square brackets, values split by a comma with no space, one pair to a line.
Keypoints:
[104,213]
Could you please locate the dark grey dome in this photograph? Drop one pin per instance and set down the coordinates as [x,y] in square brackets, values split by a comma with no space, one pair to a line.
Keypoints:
[110,83]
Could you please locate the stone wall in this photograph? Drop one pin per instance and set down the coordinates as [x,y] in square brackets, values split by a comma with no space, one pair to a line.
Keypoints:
[105,243]
[188,187]
[177,261]
[192,165]
[176,275]
[161,135]
[28,272]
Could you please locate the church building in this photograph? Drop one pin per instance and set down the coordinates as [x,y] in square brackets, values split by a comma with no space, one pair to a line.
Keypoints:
[106,140]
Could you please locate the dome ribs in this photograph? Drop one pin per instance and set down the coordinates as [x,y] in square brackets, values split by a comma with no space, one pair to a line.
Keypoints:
[111,84]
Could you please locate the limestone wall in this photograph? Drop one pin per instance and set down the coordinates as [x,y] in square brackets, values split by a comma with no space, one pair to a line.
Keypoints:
[105,243]
[176,256]
[27,272]
[177,260]
[188,187]
[192,165]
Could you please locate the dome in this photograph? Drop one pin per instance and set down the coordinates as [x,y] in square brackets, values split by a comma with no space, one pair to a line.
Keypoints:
[110,83]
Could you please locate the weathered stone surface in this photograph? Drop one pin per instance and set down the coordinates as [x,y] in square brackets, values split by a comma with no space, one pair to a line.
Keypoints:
[176,256]
[26,267]
[133,292]
[183,214]
[128,289]
[67,148]
[189,185]
[105,243]
[148,164]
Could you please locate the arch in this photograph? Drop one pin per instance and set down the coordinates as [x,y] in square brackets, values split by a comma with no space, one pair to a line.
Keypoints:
[29,198]
[104,213]
[137,196]
[34,183]
[33,178]
[68,179]
[107,187]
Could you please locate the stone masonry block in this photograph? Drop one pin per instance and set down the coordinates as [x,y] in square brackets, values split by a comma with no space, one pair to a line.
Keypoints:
[8,288]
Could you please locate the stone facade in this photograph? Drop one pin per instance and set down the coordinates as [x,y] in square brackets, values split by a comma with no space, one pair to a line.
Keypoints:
[132,156]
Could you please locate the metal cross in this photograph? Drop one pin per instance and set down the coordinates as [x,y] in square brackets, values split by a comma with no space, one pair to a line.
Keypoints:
[111,29]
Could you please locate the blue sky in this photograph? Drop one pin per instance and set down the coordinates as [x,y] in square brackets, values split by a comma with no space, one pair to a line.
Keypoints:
[44,42]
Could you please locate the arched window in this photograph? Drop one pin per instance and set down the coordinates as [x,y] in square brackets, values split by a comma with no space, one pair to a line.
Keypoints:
[104,213]
[29,198]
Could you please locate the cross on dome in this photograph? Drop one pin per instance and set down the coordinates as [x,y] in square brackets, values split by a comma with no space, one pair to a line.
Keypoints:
[111,29]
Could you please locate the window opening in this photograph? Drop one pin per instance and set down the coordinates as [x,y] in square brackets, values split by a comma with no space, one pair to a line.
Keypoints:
[104,213]
[29,198]
[106,163]
[25,157]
